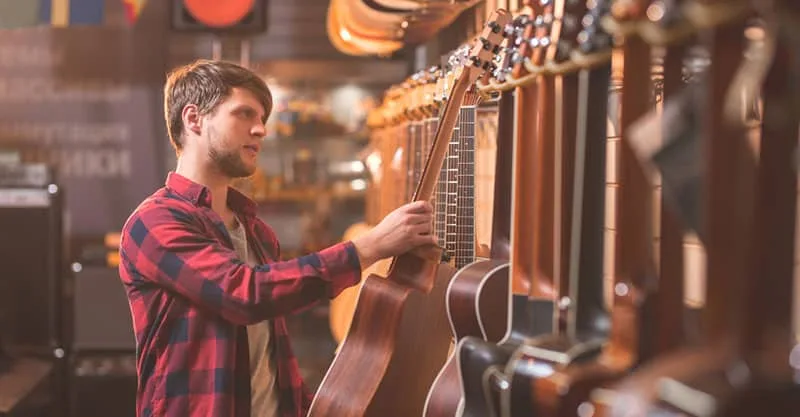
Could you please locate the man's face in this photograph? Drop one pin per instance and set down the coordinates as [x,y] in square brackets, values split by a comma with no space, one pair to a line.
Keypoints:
[233,134]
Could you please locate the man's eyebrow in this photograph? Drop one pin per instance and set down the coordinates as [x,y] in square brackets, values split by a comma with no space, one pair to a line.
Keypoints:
[242,107]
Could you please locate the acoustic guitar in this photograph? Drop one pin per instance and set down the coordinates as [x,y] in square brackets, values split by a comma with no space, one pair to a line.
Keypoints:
[478,294]
[546,374]
[741,366]
[531,308]
[394,348]
[772,388]
[404,131]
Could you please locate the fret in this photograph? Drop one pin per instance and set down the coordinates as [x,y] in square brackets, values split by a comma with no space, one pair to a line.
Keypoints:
[450,188]
[464,188]
[439,197]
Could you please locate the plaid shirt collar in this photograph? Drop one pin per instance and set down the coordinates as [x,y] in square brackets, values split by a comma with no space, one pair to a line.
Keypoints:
[200,195]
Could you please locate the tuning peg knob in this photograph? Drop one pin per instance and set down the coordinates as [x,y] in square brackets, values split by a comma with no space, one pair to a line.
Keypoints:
[486,44]
[494,26]
[476,62]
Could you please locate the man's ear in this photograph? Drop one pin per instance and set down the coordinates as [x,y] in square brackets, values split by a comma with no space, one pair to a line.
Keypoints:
[191,119]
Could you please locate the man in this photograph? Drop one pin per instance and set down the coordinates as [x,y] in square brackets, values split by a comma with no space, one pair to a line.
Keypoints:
[206,286]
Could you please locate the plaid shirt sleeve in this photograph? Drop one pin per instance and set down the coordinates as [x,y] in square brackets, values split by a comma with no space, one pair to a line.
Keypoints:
[168,247]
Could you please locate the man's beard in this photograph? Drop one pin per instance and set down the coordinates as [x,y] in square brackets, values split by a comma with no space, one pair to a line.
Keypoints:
[230,163]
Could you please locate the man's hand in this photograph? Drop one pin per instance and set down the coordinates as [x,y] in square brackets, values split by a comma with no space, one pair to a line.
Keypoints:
[405,228]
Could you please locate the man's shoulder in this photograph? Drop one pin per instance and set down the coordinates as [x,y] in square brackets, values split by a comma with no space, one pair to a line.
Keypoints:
[156,206]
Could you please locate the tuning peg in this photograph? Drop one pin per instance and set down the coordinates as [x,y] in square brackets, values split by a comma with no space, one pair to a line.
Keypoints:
[476,62]
[487,66]
[486,44]
[494,26]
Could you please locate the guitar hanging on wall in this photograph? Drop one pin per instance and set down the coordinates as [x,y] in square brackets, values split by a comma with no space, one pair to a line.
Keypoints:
[392,353]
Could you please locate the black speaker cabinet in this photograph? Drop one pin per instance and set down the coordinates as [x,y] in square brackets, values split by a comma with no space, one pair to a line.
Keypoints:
[31,255]
[102,316]
[102,384]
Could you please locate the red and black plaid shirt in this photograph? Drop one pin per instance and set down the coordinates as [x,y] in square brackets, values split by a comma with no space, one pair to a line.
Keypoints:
[191,297]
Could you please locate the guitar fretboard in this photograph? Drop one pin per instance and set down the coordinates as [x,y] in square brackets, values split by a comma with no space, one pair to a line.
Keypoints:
[439,200]
[450,192]
[414,159]
[465,188]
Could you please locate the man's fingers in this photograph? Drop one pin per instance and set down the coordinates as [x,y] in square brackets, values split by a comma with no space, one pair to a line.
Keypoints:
[424,228]
[415,219]
[421,206]
[425,239]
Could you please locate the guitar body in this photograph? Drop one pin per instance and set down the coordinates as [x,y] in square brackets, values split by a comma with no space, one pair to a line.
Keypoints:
[651,389]
[763,398]
[477,306]
[398,339]
[482,363]
[557,385]
[342,307]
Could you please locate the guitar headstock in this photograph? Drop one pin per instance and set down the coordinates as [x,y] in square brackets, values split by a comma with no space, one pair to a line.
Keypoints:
[664,13]
[628,10]
[594,38]
[569,14]
[481,56]
[535,40]
[417,93]
[512,34]
[543,35]
[522,42]
[432,76]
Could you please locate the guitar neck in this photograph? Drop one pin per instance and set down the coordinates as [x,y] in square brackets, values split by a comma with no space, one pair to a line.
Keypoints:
[727,198]
[770,284]
[465,188]
[450,195]
[440,199]
[565,131]
[417,154]
[402,178]
[668,333]
[633,263]
[523,208]
[501,224]
[588,216]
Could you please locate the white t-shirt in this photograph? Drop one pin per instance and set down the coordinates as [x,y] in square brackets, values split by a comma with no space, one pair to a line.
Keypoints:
[263,392]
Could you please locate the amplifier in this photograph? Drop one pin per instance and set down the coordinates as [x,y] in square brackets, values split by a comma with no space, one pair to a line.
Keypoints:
[32,255]
[102,316]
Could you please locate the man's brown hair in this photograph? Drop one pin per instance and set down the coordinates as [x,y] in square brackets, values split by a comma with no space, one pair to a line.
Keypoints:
[206,84]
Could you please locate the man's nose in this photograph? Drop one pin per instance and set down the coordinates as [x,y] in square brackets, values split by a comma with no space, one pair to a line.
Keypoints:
[259,130]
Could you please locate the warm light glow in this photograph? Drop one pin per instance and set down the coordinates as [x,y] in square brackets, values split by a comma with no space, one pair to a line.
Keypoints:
[656,11]
[356,166]
[345,35]
[374,162]
[358,185]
